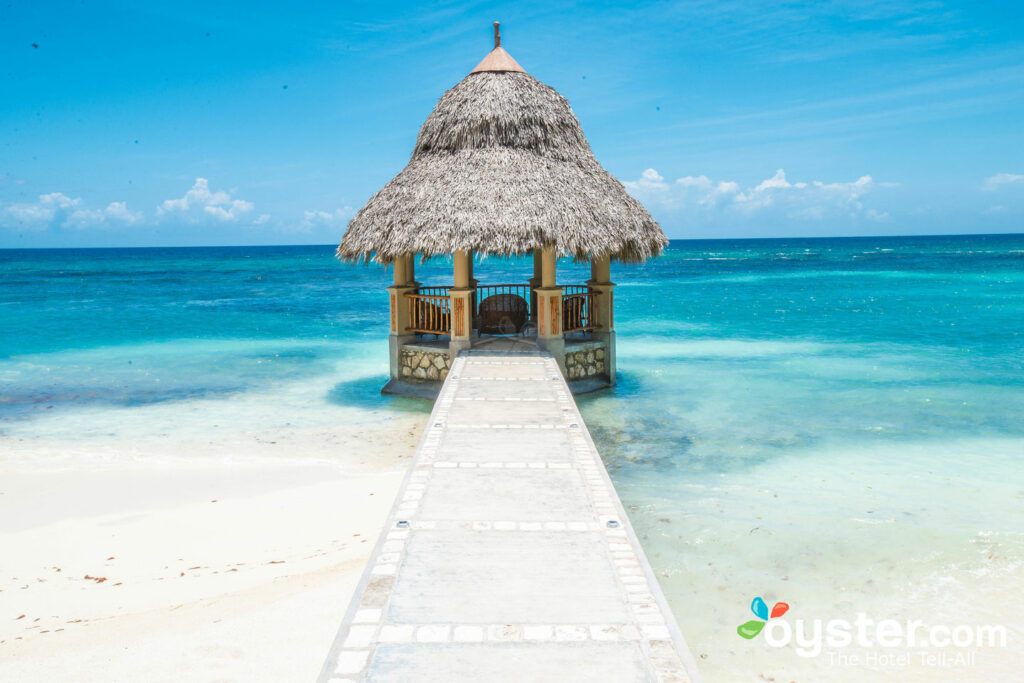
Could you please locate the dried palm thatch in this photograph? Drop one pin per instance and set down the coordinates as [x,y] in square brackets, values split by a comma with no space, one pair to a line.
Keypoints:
[501,166]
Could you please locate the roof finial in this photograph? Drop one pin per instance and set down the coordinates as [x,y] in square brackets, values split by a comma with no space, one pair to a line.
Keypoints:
[497,59]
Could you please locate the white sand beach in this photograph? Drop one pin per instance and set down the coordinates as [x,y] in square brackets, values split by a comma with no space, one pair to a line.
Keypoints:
[200,568]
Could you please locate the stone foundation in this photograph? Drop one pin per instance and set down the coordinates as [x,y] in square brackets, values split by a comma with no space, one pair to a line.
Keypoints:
[428,365]
[424,365]
[581,363]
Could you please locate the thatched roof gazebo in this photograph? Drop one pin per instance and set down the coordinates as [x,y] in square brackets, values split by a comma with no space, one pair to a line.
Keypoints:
[501,167]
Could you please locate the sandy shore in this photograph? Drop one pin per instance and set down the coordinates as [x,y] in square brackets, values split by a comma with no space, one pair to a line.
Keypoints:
[184,570]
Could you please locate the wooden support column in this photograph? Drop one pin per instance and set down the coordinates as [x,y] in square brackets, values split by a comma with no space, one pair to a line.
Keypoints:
[400,268]
[535,283]
[547,267]
[473,299]
[461,269]
[549,308]
[399,305]
[461,305]
[604,310]
[601,269]
[410,269]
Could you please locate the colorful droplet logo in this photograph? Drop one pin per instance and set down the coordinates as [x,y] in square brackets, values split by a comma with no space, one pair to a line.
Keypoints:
[760,610]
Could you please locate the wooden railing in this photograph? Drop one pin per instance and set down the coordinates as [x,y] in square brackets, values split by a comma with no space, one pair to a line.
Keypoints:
[579,310]
[574,289]
[521,291]
[429,313]
[430,308]
[484,291]
[440,290]
[502,309]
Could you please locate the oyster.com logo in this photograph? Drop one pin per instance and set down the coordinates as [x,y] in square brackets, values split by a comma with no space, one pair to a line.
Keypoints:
[932,644]
[760,610]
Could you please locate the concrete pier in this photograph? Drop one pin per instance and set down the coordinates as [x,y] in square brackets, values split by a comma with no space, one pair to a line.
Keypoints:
[508,556]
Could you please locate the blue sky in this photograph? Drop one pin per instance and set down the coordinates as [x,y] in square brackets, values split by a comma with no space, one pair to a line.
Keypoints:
[128,123]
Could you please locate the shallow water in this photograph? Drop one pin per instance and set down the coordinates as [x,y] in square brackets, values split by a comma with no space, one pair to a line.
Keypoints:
[834,423]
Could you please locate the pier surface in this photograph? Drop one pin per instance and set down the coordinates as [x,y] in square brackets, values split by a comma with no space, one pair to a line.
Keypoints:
[508,556]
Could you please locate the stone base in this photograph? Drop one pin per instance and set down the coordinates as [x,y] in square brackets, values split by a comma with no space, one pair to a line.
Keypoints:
[584,360]
[423,364]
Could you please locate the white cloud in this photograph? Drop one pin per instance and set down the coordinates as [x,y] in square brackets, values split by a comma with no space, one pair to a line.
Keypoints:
[199,201]
[800,200]
[324,219]
[42,212]
[847,194]
[56,209]
[710,193]
[1001,179]
[58,200]
[649,180]
[30,213]
[764,190]
[696,189]
[115,213]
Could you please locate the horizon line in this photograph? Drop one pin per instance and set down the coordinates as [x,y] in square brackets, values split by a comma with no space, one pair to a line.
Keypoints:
[671,240]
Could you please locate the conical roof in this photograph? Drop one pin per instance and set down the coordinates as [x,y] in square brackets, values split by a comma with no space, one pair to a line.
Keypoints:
[501,166]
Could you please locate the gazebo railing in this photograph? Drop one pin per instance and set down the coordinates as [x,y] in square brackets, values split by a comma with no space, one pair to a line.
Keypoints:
[484,291]
[430,313]
[440,290]
[502,291]
[502,309]
[579,313]
[430,308]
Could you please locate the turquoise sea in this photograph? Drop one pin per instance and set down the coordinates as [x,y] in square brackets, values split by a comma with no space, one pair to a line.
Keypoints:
[833,423]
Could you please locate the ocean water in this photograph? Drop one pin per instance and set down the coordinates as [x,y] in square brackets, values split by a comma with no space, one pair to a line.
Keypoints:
[833,423]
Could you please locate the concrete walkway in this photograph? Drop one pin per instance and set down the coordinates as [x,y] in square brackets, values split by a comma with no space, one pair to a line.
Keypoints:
[508,556]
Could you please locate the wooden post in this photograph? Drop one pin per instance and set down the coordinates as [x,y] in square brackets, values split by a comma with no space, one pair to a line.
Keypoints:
[473,300]
[549,308]
[461,305]
[535,283]
[410,268]
[604,310]
[547,263]
[549,298]
[401,272]
[601,269]
[461,274]
[399,303]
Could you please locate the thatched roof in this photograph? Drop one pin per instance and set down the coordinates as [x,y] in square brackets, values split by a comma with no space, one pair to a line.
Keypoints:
[501,166]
